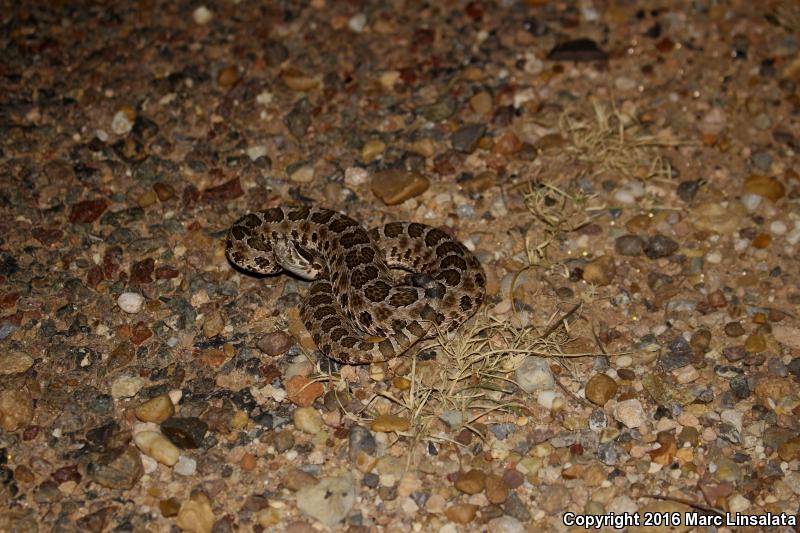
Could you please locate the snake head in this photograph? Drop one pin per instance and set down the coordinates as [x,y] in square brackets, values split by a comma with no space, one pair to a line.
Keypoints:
[297,260]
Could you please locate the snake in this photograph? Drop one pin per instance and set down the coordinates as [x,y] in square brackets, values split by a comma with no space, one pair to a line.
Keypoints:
[373,293]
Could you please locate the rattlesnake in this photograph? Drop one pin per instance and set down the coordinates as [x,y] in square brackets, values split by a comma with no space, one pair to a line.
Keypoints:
[356,310]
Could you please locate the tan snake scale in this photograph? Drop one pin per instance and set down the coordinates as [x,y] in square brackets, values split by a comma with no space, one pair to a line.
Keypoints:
[356,310]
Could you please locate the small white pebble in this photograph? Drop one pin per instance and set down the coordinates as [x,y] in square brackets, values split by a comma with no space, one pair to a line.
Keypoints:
[624,196]
[130,302]
[714,257]
[751,201]
[546,398]
[186,466]
[150,465]
[355,176]
[202,15]
[624,361]
[793,237]
[778,227]
[357,22]
[256,151]
[121,124]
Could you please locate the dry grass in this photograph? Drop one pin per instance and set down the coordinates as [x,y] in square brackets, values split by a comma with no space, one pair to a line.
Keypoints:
[606,141]
[472,376]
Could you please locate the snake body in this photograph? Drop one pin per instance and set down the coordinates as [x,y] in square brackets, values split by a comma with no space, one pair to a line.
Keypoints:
[356,309]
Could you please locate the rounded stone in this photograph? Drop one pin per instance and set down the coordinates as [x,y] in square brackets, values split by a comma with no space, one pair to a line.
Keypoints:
[600,388]
[130,302]
[157,446]
[307,420]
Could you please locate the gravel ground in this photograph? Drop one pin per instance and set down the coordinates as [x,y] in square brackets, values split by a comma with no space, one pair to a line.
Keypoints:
[624,171]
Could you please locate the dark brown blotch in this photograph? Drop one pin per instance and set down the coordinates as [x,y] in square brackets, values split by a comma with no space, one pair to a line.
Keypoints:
[365,319]
[298,213]
[337,334]
[251,221]
[454,261]
[415,230]
[377,291]
[393,229]
[329,323]
[324,312]
[434,236]
[403,297]
[320,299]
[352,259]
[341,224]
[450,276]
[274,214]
[239,232]
[386,348]
[465,303]
[348,342]
[447,248]
[322,216]
[258,243]
[354,237]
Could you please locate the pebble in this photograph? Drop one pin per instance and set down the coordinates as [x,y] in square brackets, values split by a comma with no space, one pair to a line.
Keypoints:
[659,246]
[275,343]
[355,176]
[186,432]
[117,470]
[329,501]
[582,49]
[734,329]
[764,186]
[202,15]
[789,450]
[156,409]
[87,211]
[630,413]
[157,446]
[304,174]
[308,420]
[357,22]
[303,391]
[471,482]
[755,343]
[548,399]
[126,386]
[465,139]
[388,423]
[296,479]
[122,122]
[750,201]
[481,103]
[372,149]
[461,513]
[186,466]
[14,362]
[598,420]
[534,374]
[130,302]
[600,388]
[496,489]
[16,409]
[629,245]
[396,186]
[195,514]
[601,271]
[777,227]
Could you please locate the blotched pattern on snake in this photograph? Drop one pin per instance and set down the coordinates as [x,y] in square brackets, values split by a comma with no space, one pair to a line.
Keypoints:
[356,309]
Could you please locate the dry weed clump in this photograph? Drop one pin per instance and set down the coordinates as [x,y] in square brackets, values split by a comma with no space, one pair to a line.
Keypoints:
[606,141]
